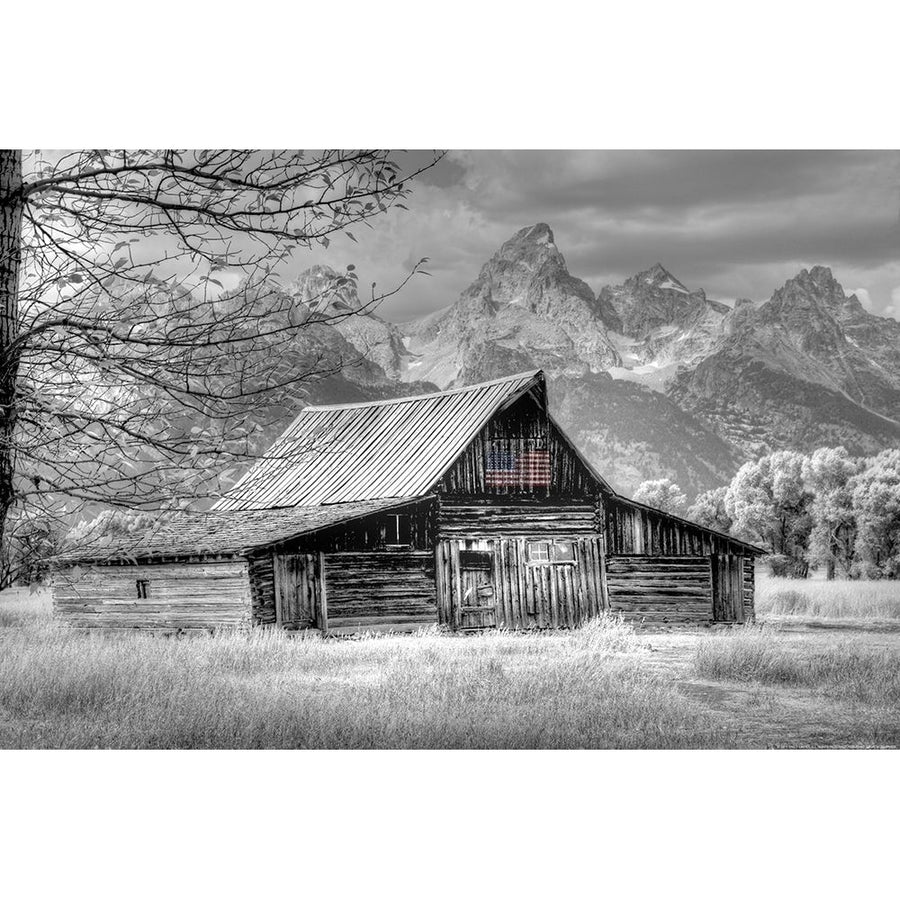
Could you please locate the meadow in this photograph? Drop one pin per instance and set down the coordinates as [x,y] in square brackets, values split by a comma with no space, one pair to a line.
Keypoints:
[604,685]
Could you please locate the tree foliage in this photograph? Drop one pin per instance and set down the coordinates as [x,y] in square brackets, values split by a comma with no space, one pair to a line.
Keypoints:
[768,501]
[709,510]
[142,331]
[662,493]
[827,474]
[876,507]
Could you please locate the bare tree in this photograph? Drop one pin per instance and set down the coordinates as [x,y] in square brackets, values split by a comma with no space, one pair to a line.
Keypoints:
[142,331]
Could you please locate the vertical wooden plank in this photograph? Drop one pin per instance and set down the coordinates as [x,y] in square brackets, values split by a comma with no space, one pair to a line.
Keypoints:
[323,596]
[277,560]
[457,591]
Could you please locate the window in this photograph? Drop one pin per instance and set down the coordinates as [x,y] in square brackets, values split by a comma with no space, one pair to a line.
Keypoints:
[143,590]
[475,560]
[550,553]
[539,552]
[562,552]
[398,531]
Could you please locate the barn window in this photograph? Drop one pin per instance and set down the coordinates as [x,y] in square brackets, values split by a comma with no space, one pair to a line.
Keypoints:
[550,553]
[143,589]
[539,552]
[473,560]
[562,552]
[398,532]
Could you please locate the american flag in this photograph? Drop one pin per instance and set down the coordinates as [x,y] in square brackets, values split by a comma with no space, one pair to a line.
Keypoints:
[517,468]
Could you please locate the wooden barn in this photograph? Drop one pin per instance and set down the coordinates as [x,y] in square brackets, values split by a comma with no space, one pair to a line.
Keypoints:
[468,508]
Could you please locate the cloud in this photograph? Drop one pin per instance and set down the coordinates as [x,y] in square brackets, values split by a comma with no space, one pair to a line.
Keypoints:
[736,223]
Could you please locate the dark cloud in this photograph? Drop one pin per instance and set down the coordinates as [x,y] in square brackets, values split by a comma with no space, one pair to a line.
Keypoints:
[737,223]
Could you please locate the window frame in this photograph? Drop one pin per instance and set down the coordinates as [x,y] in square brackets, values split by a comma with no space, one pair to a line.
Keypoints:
[143,588]
[530,559]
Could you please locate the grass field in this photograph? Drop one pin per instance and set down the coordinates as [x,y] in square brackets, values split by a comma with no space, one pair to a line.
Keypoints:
[600,686]
[820,599]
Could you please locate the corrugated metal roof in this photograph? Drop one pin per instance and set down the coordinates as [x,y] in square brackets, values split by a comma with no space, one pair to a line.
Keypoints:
[365,451]
[221,533]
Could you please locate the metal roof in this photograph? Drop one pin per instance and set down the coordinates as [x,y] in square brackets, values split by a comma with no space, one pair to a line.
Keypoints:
[220,533]
[365,451]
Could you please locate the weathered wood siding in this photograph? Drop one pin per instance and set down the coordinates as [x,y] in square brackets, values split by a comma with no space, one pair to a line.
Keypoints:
[524,424]
[380,589]
[181,595]
[660,590]
[749,583]
[461,517]
[262,589]
[635,530]
[525,595]
[369,533]
[727,587]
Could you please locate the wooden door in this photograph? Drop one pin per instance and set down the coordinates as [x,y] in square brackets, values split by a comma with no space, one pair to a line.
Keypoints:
[296,589]
[477,602]
[726,572]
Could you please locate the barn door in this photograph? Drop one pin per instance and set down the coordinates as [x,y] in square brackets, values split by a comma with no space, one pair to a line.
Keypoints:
[477,604]
[296,589]
[727,589]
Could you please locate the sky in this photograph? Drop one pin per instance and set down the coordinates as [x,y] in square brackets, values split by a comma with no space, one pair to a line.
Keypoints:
[735,223]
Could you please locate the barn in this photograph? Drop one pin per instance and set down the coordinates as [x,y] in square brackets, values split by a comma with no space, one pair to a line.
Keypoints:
[468,508]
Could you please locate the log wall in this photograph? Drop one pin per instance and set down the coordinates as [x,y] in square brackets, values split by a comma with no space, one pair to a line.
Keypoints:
[661,590]
[380,589]
[184,595]
[460,517]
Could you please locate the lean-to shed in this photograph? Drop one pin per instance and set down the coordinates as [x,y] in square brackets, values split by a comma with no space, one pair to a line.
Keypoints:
[469,508]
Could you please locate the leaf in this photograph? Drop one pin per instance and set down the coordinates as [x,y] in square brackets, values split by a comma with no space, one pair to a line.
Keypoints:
[350,235]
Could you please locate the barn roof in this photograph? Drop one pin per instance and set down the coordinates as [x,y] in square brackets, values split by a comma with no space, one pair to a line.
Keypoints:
[221,533]
[365,451]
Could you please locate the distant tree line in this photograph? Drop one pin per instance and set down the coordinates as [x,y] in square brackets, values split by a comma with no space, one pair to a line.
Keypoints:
[826,508]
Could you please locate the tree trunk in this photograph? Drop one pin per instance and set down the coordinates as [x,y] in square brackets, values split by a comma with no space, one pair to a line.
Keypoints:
[829,570]
[10,262]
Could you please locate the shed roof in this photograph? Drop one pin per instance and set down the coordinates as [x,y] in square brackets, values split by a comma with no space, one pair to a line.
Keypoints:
[365,451]
[221,533]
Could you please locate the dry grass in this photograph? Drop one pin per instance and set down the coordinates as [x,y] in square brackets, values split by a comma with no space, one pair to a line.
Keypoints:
[587,688]
[844,671]
[819,599]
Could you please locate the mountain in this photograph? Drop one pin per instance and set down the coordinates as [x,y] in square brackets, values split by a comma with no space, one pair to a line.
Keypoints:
[650,377]
[808,367]
[335,299]
[524,302]
[525,310]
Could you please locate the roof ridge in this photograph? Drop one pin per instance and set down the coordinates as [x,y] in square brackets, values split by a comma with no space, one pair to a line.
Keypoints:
[532,373]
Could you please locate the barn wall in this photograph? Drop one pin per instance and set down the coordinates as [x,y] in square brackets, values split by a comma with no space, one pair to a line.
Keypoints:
[661,590]
[526,422]
[749,584]
[181,595]
[369,533]
[262,589]
[380,589]
[635,530]
[463,517]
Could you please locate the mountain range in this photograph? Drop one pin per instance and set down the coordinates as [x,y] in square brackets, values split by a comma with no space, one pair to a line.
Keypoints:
[650,377]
